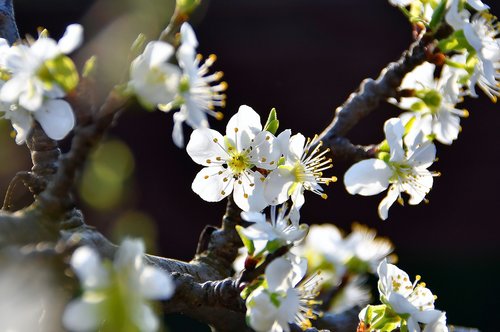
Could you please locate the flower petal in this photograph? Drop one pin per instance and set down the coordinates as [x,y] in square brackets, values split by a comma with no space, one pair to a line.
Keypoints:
[266,151]
[277,184]
[72,39]
[188,37]
[81,316]
[249,192]
[394,131]
[88,267]
[386,203]
[209,183]
[243,127]
[205,147]
[367,177]
[156,284]
[56,118]
[277,274]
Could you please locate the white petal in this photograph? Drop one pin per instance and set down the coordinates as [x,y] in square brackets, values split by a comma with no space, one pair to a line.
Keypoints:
[412,325]
[455,19]
[129,254]
[386,203]
[81,316]
[243,127]
[56,118]
[177,134]
[367,177]
[446,127]
[88,267]
[421,77]
[260,231]
[72,39]
[210,185]
[394,131]
[478,5]
[249,192]
[423,156]
[156,284]
[21,122]
[145,319]
[439,325]
[188,37]
[418,190]
[427,316]
[253,216]
[157,53]
[473,38]
[12,89]
[283,140]
[261,312]
[296,148]
[266,151]
[45,49]
[277,274]
[205,147]
[277,184]
[31,97]
[400,304]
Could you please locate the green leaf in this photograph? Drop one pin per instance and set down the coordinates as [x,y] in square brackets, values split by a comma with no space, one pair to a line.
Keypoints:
[246,241]
[272,122]
[456,42]
[438,15]
[250,288]
[60,70]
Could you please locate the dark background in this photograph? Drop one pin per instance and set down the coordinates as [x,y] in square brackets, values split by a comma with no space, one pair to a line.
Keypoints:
[304,57]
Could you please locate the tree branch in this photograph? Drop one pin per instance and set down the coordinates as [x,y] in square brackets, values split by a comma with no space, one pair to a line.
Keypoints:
[8,27]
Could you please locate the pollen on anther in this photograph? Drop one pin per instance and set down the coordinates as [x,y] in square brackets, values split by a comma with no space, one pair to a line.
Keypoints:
[222,192]
[219,115]
[225,179]
[263,160]
[236,130]
[245,195]
[208,161]
[206,177]
[215,140]
[268,138]
[324,196]
[218,158]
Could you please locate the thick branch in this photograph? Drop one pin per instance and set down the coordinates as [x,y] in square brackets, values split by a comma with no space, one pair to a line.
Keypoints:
[8,27]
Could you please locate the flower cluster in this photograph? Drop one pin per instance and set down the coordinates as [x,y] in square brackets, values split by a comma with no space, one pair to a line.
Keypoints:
[157,83]
[405,304]
[34,77]
[344,261]
[466,57]
[279,299]
[259,168]
[116,294]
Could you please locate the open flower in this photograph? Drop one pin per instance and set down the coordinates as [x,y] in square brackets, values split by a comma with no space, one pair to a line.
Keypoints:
[32,77]
[433,110]
[302,170]
[152,78]
[280,300]
[116,295]
[36,77]
[412,301]
[230,160]
[199,93]
[401,170]
[281,229]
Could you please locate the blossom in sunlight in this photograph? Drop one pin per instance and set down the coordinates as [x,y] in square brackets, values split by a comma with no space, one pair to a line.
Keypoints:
[116,295]
[34,79]
[230,160]
[199,93]
[481,33]
[281,300]
[302,170]
[401,3]
[400,170]
[413,303]
[432,109]
[280,229]
[152,78]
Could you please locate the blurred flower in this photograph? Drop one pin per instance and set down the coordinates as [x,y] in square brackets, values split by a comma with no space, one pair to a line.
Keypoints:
[115,296]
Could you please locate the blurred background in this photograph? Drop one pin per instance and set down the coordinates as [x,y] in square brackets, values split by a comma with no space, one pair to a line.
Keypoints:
[303,57]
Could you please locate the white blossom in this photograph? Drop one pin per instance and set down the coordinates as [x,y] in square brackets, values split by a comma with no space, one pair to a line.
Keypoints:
[118,294]
[401,3]
[282,301]
[229,160]
[412,301]
[280,228]
[152,78]
[198,94]
[433,109]
[402,171]
[302,170]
